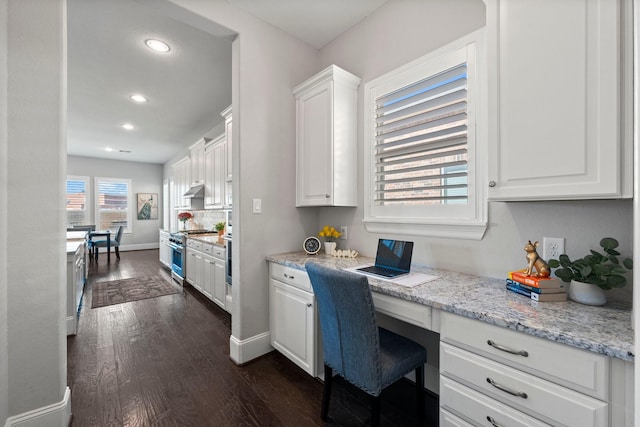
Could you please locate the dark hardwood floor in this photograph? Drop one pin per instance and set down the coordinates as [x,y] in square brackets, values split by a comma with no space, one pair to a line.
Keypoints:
[165,362]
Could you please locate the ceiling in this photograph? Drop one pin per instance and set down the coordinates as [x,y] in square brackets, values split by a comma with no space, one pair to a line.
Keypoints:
[187,87]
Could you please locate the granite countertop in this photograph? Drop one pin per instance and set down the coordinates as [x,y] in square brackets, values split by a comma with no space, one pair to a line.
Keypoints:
[208,238]
[604,330]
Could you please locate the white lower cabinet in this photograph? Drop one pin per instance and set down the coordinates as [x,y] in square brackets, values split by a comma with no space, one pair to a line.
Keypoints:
[292,316]
[206,270]
[491,375]
[164,249]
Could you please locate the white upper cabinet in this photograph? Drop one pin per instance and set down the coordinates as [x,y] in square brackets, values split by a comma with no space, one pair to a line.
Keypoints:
[214,185]
[181,180]
[197,162]
[228,133]
[560,99]
[326,149]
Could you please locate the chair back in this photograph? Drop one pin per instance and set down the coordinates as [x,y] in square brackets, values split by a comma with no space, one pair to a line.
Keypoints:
[350,336]
[119,234]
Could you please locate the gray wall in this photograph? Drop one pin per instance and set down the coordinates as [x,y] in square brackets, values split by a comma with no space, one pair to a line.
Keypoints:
[32,164]
[145,178]
[421,28]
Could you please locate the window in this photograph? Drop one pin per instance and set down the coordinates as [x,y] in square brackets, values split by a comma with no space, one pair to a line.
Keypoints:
[113,204]
[77,200]
[424,139]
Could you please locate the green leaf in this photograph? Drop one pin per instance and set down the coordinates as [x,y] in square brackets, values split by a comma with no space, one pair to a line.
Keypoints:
[609,243]
[612,252]
[564,260]
[564,274]
[614,259]
[585,271]
[628,262]
[554,263]
[616,281]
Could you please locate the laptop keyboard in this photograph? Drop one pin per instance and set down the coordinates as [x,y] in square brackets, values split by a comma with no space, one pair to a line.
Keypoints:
[382,271]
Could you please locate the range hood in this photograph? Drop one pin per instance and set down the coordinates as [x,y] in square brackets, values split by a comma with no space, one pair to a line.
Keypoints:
[195,192]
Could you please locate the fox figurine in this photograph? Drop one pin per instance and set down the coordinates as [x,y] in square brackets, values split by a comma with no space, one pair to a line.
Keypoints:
[534,262]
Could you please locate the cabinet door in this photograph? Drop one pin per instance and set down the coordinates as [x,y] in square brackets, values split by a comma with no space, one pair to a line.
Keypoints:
[209,181]
[207,276]
[219,285]
[555,93]
[292,324]
[314,146]
[228,130]
[218,175]
[197,163]
[191,266]
[199,273]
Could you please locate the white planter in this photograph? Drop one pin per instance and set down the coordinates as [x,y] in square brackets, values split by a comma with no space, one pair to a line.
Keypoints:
[586,293]
[329,247]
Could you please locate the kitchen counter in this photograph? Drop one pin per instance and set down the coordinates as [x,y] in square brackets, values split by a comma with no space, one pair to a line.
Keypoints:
[207,238]
[604,330]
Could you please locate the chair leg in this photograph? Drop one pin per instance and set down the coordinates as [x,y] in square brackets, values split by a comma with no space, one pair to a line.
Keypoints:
[375,411]
[326,392]
[117,252]
[420,394]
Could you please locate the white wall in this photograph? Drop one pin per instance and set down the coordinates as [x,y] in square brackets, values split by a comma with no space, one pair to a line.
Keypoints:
[145,178]
[405,30]
[4,396]
[33,269]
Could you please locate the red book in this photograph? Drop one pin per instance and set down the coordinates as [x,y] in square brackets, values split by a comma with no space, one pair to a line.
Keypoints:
[537,282]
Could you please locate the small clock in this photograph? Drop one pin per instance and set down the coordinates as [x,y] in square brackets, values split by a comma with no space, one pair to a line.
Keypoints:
[311,245]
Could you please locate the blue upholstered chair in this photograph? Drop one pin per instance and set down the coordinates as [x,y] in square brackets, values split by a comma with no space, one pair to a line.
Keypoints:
[369,357]
[115,243]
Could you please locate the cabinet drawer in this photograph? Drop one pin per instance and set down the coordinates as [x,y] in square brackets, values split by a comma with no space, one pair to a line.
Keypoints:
[291,276]
[218,252]
[473,406]
[410,312]
[195,244]
[577,369]
[558,404]
[447,419]
[207,248]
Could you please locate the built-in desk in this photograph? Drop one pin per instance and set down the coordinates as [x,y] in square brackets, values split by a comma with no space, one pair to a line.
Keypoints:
[604,332]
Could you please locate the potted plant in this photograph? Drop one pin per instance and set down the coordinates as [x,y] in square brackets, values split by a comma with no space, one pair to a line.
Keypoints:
[220,230]
[330,234]
[592,274]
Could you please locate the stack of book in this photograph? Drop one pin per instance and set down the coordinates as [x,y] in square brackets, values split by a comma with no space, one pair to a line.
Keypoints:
[537,288]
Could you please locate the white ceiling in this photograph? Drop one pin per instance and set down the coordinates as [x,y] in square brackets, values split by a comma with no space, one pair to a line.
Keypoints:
[187,88]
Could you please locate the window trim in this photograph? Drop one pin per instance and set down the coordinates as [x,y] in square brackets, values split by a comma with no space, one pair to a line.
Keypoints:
[472,225]
[97,180]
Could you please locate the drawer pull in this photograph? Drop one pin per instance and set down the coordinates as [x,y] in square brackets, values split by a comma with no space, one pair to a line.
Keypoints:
[507,349]
[493,422]
[288,276]
[309,304]
[506,389]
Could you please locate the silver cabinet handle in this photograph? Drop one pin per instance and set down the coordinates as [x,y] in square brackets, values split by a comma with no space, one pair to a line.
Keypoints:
[506,389]
[522,353]
[493,422]
[287,276]
[492,184]
[327,195]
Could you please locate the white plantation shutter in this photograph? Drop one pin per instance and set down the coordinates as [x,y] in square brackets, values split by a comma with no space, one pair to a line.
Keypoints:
[423,125]
[113,204]
[421,133]
[77,199]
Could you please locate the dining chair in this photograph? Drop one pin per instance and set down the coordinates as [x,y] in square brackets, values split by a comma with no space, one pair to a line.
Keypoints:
[115,242]
[367,356]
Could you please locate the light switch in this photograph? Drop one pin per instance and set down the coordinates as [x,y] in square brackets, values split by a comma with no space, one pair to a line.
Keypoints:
[257,206]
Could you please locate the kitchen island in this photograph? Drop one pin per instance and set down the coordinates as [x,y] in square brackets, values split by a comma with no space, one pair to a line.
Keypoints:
[577,367]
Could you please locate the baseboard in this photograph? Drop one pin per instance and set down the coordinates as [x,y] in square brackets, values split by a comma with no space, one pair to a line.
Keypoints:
[54,415]
[243,351]
[71,325]
[134,247]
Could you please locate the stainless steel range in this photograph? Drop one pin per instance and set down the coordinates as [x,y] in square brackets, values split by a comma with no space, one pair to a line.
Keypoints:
[178,258]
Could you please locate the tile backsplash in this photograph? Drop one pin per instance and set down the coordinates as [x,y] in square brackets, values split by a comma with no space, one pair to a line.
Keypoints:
[205,220]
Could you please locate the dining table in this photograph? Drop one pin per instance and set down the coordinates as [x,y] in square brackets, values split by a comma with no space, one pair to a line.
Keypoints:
[102,233]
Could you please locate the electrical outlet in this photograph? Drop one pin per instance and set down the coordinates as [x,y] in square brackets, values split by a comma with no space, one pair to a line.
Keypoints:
[552,247]
[343,232]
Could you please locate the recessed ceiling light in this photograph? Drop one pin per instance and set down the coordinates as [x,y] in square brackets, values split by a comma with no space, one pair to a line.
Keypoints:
[136,97]
[157,45]
[127,126]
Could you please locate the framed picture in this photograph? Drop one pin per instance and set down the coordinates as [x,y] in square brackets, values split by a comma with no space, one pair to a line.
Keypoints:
[147,205]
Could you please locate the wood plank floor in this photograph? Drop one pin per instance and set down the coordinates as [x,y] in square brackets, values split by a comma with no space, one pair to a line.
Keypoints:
[165,362]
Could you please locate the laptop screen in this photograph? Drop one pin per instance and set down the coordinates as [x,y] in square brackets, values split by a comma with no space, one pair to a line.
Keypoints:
[394,254]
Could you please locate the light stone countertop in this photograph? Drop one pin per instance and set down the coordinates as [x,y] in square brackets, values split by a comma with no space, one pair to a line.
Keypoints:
[604,330]
[207,238]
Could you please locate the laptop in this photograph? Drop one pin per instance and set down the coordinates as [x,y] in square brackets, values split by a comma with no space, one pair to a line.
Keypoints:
[393,258]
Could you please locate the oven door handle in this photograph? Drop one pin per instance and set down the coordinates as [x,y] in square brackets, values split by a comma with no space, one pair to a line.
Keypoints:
[176,247]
